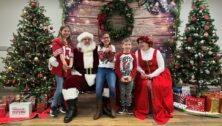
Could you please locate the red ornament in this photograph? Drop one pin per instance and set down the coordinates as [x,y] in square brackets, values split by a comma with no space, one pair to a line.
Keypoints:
[206,27]
[194,7]
[187,65]
[13,81]
[177,66]
[193,18]
[186,29]
[101,20]
[189,39]
[201,63]
[204,7]
[27,88]
[216,57]
[110,5]
[206,17]
[53,83]
[129,29]
[40,75]
[33,4]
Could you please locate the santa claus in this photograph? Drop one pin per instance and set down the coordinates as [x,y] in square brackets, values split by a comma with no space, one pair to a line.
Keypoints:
[84,73]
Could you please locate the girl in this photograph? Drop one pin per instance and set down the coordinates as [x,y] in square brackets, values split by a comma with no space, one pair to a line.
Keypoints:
[106,52]
[63,52]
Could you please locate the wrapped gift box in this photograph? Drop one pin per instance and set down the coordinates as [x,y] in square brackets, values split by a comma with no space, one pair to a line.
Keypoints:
[177,89]
[212,104]
[214,88]
[179,98]
[20,110]
[186,90]
[2,110]
[196,104]
[32,99]
[40,107]
[220,104]
[8,100]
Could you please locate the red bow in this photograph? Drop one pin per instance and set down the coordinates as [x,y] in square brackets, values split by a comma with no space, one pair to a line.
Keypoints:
[101,21]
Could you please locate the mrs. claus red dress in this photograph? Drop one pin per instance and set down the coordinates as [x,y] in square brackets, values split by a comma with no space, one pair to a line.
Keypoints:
[162,99]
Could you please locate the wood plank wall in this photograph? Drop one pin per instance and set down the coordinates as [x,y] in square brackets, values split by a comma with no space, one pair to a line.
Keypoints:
[84,18]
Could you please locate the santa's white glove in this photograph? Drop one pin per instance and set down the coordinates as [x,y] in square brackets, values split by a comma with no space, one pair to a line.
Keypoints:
[53,61]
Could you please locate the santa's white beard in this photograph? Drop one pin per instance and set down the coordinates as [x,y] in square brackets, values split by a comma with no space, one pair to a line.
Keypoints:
[86,48]
[88,60]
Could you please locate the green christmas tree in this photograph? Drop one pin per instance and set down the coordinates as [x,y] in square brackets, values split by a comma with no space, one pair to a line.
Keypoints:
[26,64]
[197,61]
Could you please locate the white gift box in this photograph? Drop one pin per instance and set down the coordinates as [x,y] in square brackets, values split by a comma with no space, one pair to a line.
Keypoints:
[186,91]
[20,110]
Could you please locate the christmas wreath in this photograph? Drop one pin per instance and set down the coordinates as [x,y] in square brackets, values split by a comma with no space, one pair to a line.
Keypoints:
[106,25]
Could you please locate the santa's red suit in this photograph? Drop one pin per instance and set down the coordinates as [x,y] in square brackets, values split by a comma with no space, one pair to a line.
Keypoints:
[84,73]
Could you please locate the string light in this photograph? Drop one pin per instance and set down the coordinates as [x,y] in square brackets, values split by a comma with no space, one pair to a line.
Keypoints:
[87,21]
[73,19]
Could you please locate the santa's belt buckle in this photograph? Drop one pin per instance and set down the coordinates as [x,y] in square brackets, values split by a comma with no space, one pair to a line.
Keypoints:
[89,71]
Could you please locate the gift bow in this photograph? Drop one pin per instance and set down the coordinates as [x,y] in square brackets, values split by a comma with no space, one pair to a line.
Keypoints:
[101,21]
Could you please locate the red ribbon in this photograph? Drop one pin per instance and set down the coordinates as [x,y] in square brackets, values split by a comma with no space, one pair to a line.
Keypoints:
[101,21]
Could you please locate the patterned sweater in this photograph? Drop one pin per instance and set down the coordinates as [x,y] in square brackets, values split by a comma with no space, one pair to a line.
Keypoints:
[126,65]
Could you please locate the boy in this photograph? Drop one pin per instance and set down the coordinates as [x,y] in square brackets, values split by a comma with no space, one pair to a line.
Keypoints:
[126,65]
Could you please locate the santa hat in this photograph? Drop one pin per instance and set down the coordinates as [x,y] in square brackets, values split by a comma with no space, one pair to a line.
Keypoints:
[145,39]
[52,62]
[84,35]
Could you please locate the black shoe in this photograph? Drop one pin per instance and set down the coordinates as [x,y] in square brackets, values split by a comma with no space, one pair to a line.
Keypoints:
[106,111]
[72,110]
[54,112]
[129,110]
[122,110]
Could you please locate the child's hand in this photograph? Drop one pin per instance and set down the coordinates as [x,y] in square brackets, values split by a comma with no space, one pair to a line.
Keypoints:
[69,67]
[109,49]
[129,78]
[65,67]
[123,79]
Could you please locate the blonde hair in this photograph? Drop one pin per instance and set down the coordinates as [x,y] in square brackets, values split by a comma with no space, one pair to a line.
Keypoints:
[127,40]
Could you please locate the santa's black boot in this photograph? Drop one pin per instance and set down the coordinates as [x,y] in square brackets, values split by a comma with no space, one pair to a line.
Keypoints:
[70,96]
[72,110]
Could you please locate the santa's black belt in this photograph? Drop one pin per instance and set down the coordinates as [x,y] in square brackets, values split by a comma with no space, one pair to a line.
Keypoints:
[86,71]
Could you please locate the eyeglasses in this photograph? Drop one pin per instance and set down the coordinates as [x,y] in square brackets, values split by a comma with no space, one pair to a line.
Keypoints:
[105,37]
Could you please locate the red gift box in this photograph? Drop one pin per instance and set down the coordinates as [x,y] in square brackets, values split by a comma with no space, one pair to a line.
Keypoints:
[8,100]
[40,107]
[196,104]
[212,104]
[212,101]
[2,110]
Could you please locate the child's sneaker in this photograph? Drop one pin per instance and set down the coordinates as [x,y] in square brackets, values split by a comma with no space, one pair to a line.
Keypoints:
[54,112]
[62,110]
[122,110]
[129,110]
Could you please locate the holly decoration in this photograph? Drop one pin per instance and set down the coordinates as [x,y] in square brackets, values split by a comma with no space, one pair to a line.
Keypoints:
[106,25]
